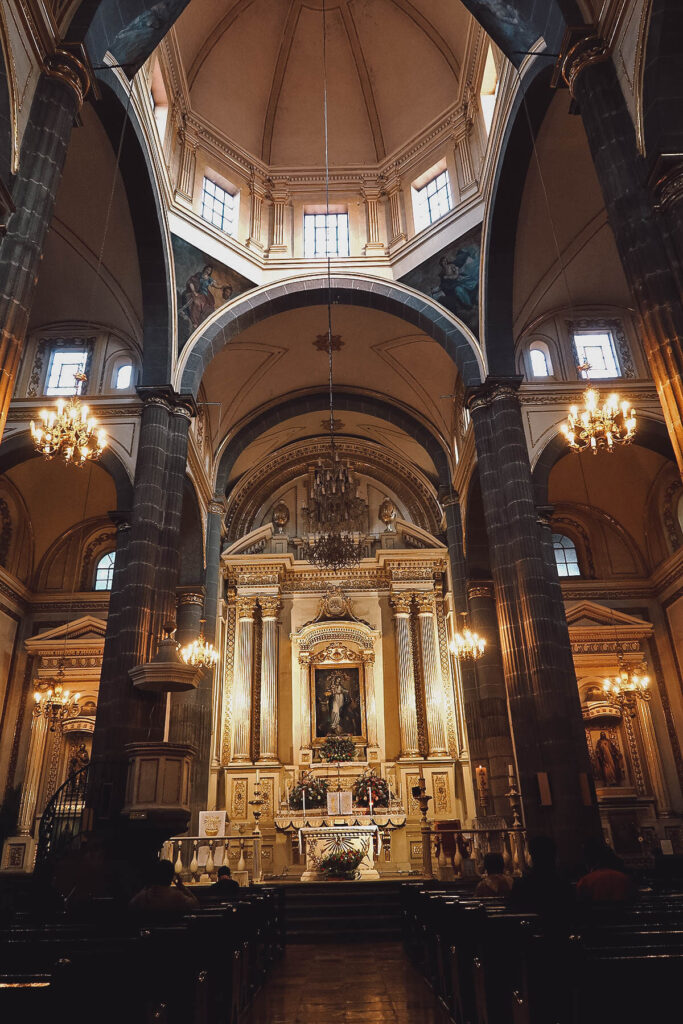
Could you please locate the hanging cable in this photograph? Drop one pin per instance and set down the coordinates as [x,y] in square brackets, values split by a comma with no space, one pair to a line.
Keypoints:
[327,229]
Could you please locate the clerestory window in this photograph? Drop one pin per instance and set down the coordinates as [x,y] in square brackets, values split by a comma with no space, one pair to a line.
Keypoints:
[432,201]
[219,207]
[566,558]
[104,572]
[326,234]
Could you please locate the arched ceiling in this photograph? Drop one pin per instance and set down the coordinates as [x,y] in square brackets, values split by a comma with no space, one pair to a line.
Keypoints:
[280,358]
[254,70]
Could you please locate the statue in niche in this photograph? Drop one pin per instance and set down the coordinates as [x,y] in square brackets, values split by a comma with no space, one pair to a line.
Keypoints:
[609,761]
[79,758]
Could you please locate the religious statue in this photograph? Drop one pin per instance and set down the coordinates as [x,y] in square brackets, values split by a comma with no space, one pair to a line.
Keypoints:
[79,758]
[610,761]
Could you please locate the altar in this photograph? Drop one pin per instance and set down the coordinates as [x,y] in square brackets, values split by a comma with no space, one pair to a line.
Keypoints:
[321,842]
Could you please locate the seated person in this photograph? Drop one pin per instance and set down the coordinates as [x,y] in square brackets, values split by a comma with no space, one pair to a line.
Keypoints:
[542,890]
[160,897]
[605,881]
[225,887]
[495,882]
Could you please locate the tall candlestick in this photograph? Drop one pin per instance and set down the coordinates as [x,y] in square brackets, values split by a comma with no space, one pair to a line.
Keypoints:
[257,776]
[303,791]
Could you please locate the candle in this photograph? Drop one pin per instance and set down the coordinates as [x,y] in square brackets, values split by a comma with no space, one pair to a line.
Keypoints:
[304,796]
[370,796]
[257,776]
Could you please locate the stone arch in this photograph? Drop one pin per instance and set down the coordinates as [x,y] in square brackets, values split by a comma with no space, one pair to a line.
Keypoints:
[388,297]
[19,447]
[319,402]
[651,434]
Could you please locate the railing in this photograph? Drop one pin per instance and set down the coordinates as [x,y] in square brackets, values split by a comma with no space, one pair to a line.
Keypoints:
[61,821]
[194,856]
[456,847]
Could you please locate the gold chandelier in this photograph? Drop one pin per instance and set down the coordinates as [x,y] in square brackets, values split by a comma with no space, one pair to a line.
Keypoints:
[69,432]
[56,704]
[628,684]
[599,425]
[466,645]
[199,653]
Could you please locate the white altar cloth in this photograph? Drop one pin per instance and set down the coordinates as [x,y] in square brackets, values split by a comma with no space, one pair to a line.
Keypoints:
[321,842]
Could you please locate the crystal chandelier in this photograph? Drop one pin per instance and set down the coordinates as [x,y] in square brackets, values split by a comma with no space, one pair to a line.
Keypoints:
[69,432]
[466,645]
[56,704]
[199,653]
[628,684]
[599,426]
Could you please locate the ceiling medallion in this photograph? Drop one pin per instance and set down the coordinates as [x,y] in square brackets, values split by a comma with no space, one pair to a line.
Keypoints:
[69,432]
[599,425]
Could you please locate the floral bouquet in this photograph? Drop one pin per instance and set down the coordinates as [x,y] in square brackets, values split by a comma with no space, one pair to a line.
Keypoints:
[337,748]
[374,784]
[316,793]
[341,865]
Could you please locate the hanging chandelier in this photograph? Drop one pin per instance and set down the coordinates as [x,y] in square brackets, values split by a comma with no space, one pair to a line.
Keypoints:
[466,645]
[69,432]
[599,425]
[628,684]
[199,653]
[335,514]
[55,703]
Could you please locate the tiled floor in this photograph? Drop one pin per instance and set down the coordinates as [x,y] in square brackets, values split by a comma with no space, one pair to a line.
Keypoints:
[345,984]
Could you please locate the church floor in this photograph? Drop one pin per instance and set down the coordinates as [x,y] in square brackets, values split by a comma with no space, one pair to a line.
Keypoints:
[345,984]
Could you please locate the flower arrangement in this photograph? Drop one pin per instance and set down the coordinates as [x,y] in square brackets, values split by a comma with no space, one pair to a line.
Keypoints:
[341,865]
[366,784]
[316,793]
[337,748]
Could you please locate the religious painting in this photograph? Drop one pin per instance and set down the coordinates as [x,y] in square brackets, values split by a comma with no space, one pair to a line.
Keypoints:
[338,702]
[451,277]
[203,285]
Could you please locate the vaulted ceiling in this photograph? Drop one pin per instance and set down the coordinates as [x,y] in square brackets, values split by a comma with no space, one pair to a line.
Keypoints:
[255,71]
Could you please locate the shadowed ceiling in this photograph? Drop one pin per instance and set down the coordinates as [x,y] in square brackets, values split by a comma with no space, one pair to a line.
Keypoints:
[255,71]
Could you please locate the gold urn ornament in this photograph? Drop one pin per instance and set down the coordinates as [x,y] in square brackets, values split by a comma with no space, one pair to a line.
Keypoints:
[387,514]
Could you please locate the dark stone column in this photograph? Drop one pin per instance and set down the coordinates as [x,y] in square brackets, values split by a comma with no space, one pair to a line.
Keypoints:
[485,703]
[191,711]
[641,234]
[57,100]
[541,686]
[213,578]
[138,600]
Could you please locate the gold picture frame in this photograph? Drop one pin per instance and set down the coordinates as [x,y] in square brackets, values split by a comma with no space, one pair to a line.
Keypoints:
[344,715]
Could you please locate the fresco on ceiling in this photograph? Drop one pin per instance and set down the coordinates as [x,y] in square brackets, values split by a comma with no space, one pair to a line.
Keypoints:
[202,286]
[451,277]
[134,43]
[508,22]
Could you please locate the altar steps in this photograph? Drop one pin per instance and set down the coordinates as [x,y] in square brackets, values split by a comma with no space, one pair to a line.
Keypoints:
[342,912]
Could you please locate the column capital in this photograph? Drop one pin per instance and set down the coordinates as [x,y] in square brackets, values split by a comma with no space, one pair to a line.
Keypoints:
[580,48]
[191,595]
[166,396]
[73,71]
[544,514]
[666,180]
[493,390]
[217,506]
[425,602]
[246,606]
[480,588]
[401,602]
[270,606]
[367,657]
[120,518]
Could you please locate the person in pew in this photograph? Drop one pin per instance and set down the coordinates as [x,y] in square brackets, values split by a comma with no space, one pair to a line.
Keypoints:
[495,882]
[605,881]
[161,897]
[225,887]
[542,890]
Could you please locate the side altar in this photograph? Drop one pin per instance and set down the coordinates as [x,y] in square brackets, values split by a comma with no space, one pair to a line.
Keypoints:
[322,842]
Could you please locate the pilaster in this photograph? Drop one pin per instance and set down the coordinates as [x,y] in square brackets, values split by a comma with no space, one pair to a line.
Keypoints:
[407,707]
[188,143]
[270,606]
[372,194]
[280,197]
[397,213]
[241,708]
[257,195]
[431,670]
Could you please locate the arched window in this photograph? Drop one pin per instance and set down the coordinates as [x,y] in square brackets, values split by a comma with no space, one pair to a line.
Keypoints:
[123,377]
[104,572]
[566,558]
[539,357]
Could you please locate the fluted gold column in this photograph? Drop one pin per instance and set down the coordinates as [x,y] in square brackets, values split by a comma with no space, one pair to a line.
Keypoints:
[370,698]
[304,683]
[270,607]
[241,694]
[654,766]
[431,670]
[34,769]
[407,708]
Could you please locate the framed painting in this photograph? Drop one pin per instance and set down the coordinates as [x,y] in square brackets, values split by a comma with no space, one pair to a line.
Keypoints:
[337,702]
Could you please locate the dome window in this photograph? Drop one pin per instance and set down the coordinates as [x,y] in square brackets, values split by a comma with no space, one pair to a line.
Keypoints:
[566,558]
[326,234]
[123,377]
[220,207]
[104,572]
[539,358]
[432,200]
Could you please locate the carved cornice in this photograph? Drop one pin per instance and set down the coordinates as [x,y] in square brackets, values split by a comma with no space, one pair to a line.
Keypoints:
[191,595]
[480,588]
[494,389]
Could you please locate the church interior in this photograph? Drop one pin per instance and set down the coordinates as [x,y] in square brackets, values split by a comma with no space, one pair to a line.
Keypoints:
[345,338]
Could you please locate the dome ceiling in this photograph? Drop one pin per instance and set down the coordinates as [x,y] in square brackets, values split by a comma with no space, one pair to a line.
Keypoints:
[254,70]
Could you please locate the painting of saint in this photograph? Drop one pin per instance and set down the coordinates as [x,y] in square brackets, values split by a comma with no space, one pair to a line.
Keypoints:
[609,761]
[451,277]
[338,710]
[203,286]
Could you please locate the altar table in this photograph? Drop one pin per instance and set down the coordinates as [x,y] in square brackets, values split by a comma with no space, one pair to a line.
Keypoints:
[321,842]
